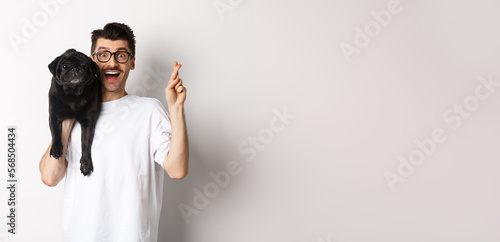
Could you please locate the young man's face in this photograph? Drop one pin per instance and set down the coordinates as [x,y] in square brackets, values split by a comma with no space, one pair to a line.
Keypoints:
[114,75]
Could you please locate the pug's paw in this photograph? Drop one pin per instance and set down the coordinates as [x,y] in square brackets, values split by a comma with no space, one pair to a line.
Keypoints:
[86,165]
[56,150]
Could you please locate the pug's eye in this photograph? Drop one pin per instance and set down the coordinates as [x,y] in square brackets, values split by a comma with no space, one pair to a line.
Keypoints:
[64,66]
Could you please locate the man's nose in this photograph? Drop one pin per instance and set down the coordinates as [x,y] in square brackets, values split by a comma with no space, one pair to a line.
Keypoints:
[112,63]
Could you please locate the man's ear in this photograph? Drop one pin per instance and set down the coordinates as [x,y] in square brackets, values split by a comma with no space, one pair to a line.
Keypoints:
[132,63]
[53,65]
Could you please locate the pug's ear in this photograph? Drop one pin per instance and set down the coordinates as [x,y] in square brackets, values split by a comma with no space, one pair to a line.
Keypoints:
[53,65]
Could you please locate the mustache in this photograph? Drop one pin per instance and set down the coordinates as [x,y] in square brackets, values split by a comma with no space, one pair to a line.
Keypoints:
[112,69]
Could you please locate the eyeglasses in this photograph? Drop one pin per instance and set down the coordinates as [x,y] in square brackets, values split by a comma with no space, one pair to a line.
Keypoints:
[104,56]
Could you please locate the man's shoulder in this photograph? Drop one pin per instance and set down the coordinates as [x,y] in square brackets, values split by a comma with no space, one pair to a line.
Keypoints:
[149,103]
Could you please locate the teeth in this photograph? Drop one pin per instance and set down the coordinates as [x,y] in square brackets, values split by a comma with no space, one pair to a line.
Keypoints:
[111,73]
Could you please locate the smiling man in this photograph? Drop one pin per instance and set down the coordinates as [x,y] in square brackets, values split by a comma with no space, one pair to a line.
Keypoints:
[114,74]
[136,142]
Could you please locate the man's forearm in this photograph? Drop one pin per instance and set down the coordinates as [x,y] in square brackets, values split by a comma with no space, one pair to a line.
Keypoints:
[176,162]
[53,170]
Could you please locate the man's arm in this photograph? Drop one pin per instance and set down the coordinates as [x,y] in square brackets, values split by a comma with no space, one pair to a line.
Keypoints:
[53,170]
[176,162]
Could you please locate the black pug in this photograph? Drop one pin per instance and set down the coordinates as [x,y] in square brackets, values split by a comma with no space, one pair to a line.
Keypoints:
[75,92]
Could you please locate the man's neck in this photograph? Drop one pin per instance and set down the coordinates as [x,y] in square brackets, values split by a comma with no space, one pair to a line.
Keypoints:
[110,96]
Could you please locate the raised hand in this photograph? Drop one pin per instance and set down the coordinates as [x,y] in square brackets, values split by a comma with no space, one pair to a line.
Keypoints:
[175,93]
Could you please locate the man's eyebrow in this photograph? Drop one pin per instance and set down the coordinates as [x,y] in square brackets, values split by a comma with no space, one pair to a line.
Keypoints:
[105,48]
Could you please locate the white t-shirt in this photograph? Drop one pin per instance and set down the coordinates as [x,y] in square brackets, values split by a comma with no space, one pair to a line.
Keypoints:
[121,200]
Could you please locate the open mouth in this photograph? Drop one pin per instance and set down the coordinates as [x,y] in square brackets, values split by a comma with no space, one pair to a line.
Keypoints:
[111,75]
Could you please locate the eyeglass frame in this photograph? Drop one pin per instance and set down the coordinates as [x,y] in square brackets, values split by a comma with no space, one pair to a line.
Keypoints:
[130,55]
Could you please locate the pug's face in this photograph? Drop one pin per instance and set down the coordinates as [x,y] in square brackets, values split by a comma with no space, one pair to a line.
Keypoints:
[73,71]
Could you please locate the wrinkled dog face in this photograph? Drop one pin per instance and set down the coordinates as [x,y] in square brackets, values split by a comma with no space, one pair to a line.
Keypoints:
[73,71]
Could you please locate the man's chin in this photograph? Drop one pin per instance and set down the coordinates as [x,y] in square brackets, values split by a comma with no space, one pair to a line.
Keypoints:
[112,87]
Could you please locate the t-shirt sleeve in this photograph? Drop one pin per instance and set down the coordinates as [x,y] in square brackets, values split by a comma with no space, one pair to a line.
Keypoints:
[161,137]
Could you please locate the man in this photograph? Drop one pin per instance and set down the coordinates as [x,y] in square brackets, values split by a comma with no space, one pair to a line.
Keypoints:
[135,141]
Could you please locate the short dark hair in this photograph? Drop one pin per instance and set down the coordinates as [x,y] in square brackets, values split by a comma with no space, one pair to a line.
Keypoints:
[114,31]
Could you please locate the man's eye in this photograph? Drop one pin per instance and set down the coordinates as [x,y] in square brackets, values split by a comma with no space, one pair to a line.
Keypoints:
[104,54]
[121,56]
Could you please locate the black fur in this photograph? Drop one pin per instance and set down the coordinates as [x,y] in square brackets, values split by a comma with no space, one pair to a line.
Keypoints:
[75,92]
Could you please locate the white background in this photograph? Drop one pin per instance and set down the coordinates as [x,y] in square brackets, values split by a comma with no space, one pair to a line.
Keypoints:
[321,178]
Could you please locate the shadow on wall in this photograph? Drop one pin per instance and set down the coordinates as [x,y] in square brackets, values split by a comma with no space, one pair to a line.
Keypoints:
[151,81]
[172,226]
[175,223]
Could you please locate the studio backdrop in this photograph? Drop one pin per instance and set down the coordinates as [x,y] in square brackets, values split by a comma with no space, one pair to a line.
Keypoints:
[319,121]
